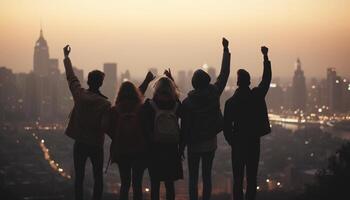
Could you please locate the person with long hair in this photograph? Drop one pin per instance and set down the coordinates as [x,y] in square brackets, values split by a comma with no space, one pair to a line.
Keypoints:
[160,118]
[129,146]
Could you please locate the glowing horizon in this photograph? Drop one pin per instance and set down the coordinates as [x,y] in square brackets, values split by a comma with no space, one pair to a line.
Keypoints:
[184,35]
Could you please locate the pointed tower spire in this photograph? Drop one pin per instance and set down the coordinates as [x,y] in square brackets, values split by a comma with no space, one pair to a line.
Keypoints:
[298,64]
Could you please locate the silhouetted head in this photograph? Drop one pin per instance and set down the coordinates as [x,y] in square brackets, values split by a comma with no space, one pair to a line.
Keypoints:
[165,88]
[200,79]
[128,93]
[243,78]
[95,79]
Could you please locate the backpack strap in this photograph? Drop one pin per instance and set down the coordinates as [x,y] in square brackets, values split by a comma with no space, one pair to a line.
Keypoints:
[109,163]
[154,105]
[175,107]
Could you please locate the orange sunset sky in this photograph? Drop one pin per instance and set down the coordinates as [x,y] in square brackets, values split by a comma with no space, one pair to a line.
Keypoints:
[182,34]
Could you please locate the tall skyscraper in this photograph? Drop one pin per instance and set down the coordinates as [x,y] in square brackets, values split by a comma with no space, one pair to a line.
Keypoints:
[41,61]
[109,86]
[335,87]
[299,88]
[45,80]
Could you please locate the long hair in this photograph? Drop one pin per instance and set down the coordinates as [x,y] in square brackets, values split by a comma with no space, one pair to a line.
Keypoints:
[128,93]
[165,88]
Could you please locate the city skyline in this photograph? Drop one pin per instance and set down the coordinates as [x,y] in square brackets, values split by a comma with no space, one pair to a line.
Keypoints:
[142,35]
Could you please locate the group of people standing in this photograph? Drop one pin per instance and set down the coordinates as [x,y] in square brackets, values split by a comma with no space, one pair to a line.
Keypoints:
[154,133]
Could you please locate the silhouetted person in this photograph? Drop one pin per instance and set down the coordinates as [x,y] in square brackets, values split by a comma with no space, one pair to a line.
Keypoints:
[202,121]
[129,143]
[246,120]
[160,118]
[85,126]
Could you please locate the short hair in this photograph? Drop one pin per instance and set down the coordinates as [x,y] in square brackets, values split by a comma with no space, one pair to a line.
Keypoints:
[243,78]
[95,78]
[200,79]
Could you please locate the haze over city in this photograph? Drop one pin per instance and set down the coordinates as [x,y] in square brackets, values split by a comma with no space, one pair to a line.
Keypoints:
[181,34]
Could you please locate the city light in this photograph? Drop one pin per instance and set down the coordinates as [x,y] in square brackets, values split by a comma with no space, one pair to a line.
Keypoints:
[54,165]
[267,180]
[258,187]
[147,189]
[278,183]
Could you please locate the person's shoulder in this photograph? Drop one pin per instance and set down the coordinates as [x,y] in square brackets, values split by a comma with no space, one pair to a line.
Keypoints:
[256,92]
[213,89]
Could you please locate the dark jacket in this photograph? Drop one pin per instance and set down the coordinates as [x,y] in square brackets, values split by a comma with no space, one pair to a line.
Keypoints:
[200,100]
[245,114]
[85,122]
[136,144]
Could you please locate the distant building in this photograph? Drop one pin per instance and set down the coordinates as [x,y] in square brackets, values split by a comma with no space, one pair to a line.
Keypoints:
[337,92]
[125,76]
[182,81]
[109,86]
[274,97]
[44,80]
[299,88]
[41,59]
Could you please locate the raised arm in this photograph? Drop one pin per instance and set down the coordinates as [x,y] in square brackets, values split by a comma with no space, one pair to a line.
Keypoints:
[267,74]
[144,85]
[221,81]
[73,81]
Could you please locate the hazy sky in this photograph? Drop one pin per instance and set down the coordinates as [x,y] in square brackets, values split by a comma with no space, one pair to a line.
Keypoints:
[183,34]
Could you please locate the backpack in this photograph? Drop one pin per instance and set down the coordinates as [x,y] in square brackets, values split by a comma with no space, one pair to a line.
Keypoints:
[166,125]
[205,122]
[128,138]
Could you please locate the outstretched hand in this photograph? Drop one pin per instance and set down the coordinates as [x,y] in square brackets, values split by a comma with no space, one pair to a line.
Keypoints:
[167,73]
[225,42]
[264,50]
[66,51]
[150,77]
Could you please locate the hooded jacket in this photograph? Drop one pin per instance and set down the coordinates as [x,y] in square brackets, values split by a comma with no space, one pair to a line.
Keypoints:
[85,121]
[201,99]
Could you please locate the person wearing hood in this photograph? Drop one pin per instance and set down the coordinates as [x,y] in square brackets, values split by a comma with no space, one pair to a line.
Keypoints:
[245,121]
[202,121]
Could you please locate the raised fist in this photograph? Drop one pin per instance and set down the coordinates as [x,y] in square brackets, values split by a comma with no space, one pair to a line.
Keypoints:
[150,77]
[264,50]
[66,50]
[224,42]
[167,73]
